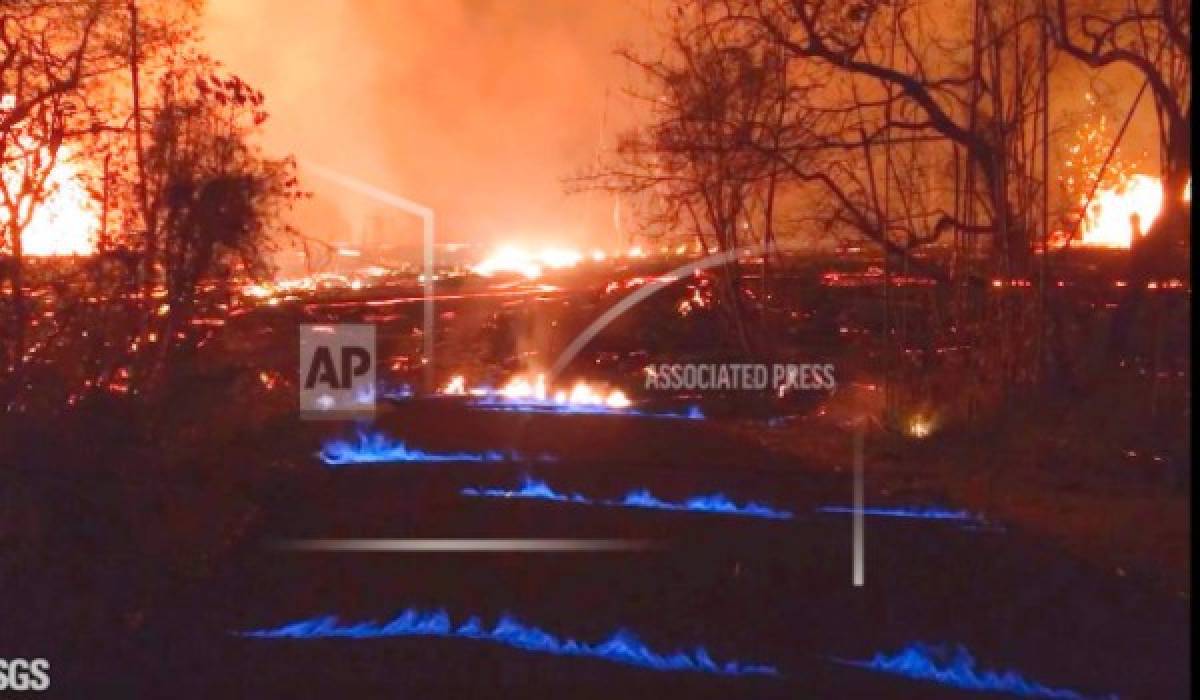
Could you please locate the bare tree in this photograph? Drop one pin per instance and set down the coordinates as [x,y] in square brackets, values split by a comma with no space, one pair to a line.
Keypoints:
[218,201]
[1154,39]
[698,162]
[95,322]
[46,61]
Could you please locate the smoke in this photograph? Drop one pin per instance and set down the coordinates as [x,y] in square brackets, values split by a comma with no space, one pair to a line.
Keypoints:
[476,108]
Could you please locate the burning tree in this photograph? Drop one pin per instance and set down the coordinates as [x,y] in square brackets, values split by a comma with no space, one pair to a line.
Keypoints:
[1089,161]
[76,120]
[877,121]
[921,129]
[44,66]
[1152,38]
[892,75]
[698,163]
[216,199]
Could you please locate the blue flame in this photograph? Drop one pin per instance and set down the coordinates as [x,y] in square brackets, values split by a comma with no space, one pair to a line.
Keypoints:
[622,646]
[376,447]
[919,512]
[488,400]
[529,488]
[638,498]
[955,667]
[533,405]
[712,503]
[400,392]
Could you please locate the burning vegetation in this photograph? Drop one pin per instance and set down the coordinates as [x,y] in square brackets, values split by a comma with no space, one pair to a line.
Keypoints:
[61,218]
[915,193]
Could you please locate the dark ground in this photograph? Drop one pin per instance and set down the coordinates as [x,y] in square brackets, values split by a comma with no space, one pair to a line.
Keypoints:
[131,559]
[774,592]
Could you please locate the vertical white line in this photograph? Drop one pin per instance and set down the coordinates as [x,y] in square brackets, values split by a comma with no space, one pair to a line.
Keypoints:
[415,209]
[858,574]
[428,287]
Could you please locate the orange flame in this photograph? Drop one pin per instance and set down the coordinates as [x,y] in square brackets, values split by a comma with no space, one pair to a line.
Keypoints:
[521,387]
[512,258]
[1109,219]
[65,222]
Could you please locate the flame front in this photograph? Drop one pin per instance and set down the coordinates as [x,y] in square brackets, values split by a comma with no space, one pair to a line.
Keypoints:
[511,258]
[521,389]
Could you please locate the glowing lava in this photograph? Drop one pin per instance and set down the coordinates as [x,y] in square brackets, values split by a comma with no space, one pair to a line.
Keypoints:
[622,646]
[522,390]
[65,222]
[511,258]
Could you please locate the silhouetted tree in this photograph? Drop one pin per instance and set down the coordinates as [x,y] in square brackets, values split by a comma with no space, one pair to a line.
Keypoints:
[1154,39]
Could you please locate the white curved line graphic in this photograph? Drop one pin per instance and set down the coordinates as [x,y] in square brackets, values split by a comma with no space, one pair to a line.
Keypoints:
[407,205]
[641,294]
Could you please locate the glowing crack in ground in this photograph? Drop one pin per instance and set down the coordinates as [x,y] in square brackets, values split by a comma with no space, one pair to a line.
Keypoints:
[622,646]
